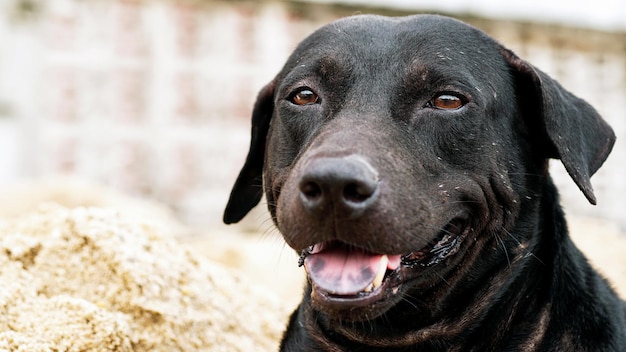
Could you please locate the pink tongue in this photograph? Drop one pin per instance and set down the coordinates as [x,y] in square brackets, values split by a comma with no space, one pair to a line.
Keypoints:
[342,272]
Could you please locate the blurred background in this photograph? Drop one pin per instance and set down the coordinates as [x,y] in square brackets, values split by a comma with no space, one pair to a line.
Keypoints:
[153,98]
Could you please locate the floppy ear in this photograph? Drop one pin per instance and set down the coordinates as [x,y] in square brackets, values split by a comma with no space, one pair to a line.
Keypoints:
[568,127]
[248,188]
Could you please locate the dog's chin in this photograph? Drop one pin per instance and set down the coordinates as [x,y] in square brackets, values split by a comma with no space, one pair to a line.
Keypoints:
[349,289]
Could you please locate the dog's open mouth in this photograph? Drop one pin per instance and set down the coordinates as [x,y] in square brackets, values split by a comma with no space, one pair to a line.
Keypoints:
[344,275]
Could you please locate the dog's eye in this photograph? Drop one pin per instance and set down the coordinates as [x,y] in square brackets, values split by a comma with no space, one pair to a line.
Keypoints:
[447,102]
[303,96]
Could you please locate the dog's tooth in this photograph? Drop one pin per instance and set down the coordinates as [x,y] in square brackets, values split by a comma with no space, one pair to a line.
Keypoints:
[369,288]
[378,280]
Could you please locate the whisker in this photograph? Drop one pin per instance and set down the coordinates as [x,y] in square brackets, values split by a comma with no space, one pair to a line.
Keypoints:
[465,202]
[444,280]
[528,252]
[506,252]
[407,299]
[526,174]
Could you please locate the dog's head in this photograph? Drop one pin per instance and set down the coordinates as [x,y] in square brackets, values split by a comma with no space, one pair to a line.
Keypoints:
[396,153]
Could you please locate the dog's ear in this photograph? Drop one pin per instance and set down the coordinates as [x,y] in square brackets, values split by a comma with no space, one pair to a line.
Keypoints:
[248,188]
[567,127]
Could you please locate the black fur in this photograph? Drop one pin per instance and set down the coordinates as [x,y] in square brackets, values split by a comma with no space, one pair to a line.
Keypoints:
[393,172]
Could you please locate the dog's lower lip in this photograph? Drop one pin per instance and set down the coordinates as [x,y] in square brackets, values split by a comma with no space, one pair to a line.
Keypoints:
[445,245]
[355,301]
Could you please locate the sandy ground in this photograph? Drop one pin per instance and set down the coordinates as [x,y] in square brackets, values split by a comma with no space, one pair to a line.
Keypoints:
[93,279]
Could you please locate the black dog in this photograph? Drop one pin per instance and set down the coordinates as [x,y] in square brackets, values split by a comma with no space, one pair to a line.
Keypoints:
[407,160]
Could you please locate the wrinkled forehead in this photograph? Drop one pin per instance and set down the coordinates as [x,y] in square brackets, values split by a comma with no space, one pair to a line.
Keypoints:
[384,43]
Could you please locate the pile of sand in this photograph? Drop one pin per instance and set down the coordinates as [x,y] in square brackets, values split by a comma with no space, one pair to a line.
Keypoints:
[90,279]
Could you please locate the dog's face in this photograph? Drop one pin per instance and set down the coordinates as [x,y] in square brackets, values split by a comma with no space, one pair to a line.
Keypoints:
[383,158]
[397,153]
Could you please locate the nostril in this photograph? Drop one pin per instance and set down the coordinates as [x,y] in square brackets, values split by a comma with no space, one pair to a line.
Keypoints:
[311,190]
[357,192]
[312,196]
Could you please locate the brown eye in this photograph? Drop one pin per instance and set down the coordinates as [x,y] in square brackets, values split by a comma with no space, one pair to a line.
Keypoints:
[304,97]
[447,102]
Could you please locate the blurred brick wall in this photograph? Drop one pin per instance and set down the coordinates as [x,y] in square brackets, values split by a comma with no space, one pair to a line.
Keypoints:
[153,97]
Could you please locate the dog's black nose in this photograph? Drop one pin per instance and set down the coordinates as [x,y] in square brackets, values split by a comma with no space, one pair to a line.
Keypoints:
[340,186]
